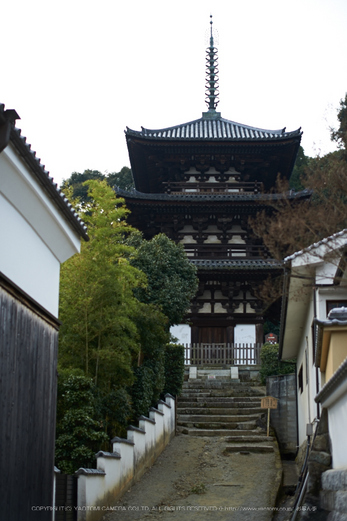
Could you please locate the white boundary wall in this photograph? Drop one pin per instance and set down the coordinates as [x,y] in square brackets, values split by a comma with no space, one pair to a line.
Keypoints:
[115,471]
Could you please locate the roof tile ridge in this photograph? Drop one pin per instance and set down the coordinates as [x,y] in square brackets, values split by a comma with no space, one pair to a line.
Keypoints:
[315,245]
[49,181]
[281,131]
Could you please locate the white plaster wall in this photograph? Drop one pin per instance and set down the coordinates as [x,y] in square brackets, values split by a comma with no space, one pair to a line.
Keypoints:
[166,410]
[206,308]
[149,427]
[182,332]
[236,239]
[307,407]
[212,239]
[126,450]
[158,417]
[89,489]
[325,272]
[26,260]
[303,415]
[112,468]
[171,402]
[218,308]
[211,228]
[244,334]
[188,239]
[187,228]
[324,294]
[206,295]
[337,414]
[219,295]
[239,308]
[34,235]
[139,440]
[20,186]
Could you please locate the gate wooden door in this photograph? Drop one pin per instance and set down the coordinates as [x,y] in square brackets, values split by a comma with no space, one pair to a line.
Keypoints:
[66,497]
[209,336]
[212,335]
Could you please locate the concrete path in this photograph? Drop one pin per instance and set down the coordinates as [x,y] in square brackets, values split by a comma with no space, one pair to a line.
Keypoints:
[196,479]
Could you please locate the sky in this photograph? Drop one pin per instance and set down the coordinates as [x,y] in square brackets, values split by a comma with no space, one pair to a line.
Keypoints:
[78,72]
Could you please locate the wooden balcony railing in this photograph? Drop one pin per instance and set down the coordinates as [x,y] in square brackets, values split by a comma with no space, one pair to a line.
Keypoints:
[225,251]
[222,354]
[176,187]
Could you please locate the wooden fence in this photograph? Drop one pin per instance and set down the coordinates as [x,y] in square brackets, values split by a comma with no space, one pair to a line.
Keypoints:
[222,354]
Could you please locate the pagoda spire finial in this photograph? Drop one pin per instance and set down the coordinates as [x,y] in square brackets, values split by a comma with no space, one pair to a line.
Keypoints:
[212,87]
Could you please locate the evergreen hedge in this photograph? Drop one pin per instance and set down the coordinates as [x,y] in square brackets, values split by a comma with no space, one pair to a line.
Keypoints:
[271,365]
[174,369]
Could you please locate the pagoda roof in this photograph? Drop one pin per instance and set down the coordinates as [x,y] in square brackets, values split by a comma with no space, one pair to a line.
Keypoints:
[163,155]
[197,197]
[239,264]
[213,127]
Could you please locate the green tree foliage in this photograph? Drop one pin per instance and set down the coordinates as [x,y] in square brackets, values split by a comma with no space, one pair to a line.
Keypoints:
[174,369]
[107,333]
[340,135]
[270,364]
[122,179]
[172,280]
[78,186]
[77,182]
[298,174]
[115,410]
[97,303]
[149,371]
[79,434]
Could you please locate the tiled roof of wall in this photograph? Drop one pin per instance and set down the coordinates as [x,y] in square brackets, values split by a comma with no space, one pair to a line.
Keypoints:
[29,156]
[328,240]
[10,134]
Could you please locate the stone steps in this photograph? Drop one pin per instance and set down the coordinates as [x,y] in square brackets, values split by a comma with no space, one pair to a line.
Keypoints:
[250,447]
[207,432]
[224,393]
[218,384]
[226,411]
[208,417]
[253,438]
[219,398]
[223,407]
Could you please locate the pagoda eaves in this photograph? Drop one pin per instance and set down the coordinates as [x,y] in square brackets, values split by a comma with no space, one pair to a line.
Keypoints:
[214,128]
[166,155]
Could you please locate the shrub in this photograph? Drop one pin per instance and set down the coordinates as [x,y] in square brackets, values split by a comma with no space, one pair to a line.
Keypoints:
[115,411]
[79,434]
[174,369]
[142,390]
[271,365]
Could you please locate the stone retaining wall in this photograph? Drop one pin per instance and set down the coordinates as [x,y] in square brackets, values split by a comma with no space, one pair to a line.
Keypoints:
[284,418]
[333,496]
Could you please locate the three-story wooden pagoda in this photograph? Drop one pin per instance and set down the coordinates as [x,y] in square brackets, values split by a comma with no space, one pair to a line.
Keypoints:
[199,183]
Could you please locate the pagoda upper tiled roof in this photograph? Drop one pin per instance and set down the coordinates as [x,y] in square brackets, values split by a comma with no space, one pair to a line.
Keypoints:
[216,128]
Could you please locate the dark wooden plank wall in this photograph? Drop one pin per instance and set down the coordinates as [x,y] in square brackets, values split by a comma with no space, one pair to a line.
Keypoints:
[28,355]
[66,497]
